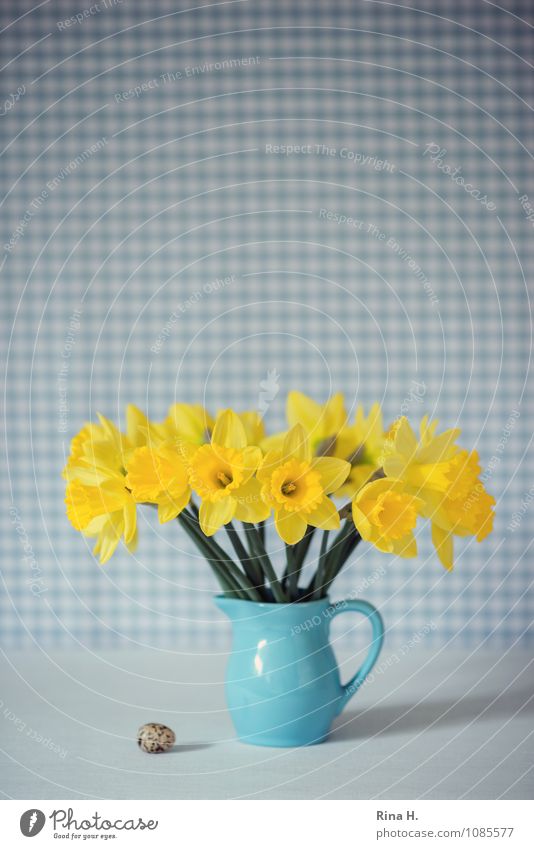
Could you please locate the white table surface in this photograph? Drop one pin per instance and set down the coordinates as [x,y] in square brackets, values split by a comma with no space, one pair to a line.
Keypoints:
[439,725]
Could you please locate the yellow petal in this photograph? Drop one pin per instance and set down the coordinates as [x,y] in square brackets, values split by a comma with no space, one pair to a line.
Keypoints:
[130,520]
[132,545]
[172,469]
[108,538]
[334,415]
[440,448]
[333,472]
[405,547]
[186,451]
[251,460]
[190,422]
[269,463]
[296,444]
[374,488]
[291,527]
[212,515]
[375,424]
[84,472]
[394,466]
[143,478]
[95,526]
[85,502]
[426,428]
[137,426]
[358,477]
[112,432]
[304,411]
[405,439]
[254,427]
[324,516]
[383,544]
[443,543]
[250,505]
[106,548]
[274,442]
[385,515]
[170,507]
[361,522]
[229,431]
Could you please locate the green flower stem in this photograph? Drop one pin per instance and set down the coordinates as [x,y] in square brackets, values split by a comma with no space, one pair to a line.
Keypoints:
[333,558]
[214,551]
[248,562]
[268,570]
[228,585]
[304,545]
[348,548]
[226,582]
[351,544]
[338,554]
[235,539]
[345,512]
[292,572]
[260,527]
[296,555]
[214,561]
[318,580]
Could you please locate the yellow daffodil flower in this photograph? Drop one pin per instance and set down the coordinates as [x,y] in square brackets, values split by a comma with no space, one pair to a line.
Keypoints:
[385,515]
[97,499]
[296,486]
[322,422]
[221,473]
[106,511]
[139,428]
[392,478]
[423,464]
[99,449]
[159,476]
[254,427]
[188,422]
[465,509]
[253,424]
[362,445]
[446,478]
[89,434]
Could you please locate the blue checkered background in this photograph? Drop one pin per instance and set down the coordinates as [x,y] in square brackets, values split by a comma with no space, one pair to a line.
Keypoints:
[145,156]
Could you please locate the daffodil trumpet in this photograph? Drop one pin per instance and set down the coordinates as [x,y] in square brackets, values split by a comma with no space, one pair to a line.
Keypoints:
[223,472]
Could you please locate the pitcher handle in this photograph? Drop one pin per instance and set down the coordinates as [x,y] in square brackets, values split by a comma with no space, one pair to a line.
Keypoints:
[360,606]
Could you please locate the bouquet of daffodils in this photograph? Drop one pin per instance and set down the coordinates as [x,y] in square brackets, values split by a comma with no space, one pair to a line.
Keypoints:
[209,473]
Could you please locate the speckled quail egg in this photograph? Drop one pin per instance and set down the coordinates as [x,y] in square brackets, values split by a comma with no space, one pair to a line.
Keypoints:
[154,738]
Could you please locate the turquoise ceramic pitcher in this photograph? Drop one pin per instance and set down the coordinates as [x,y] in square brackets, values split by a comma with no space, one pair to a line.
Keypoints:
[282,681]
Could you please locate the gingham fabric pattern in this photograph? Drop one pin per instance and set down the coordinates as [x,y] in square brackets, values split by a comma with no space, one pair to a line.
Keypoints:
[198,200]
